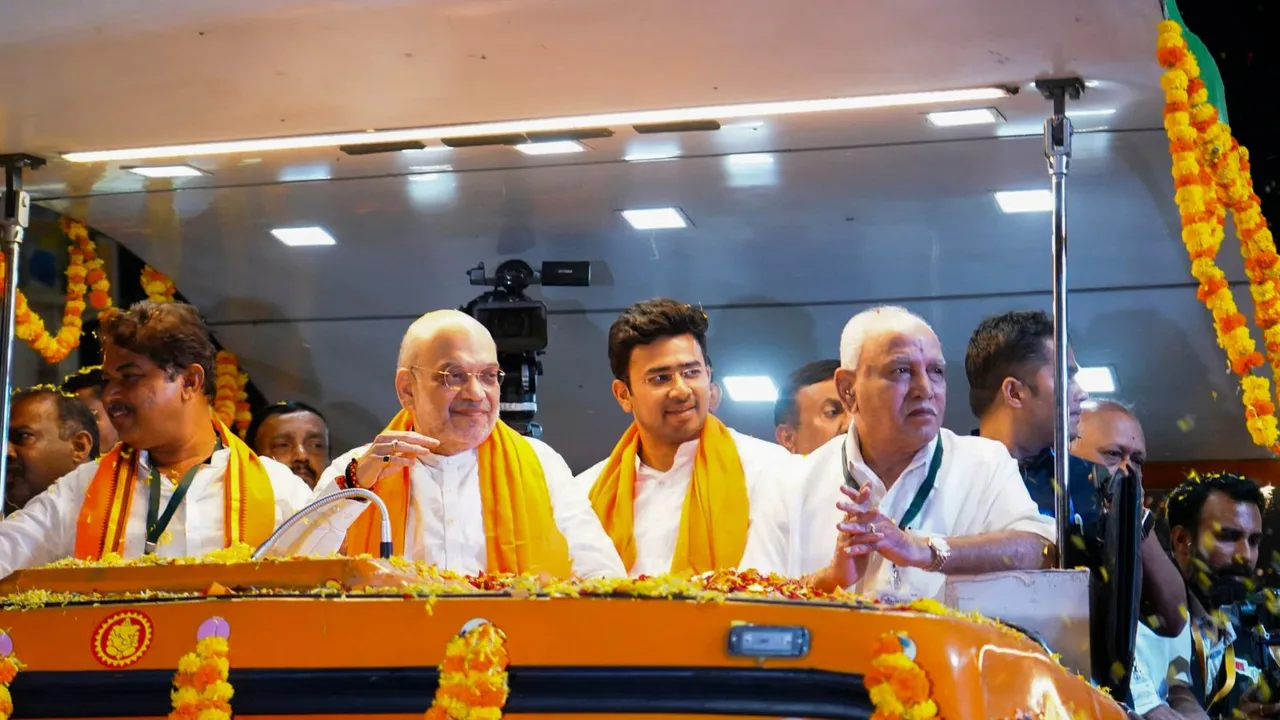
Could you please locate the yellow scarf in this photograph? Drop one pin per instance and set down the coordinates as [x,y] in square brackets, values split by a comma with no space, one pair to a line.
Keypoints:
[249,505]
[713,524]
[519,527]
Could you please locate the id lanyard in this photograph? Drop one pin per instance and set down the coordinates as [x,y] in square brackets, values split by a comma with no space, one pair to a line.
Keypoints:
[917,502]
[157,522]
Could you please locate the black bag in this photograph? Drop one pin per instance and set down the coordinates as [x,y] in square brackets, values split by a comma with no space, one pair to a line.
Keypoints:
[1116,585]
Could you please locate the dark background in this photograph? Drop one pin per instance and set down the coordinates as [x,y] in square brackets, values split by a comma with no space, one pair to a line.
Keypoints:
[1242,35]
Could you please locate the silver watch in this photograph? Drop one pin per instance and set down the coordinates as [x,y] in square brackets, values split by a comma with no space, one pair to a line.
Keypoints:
[941,553]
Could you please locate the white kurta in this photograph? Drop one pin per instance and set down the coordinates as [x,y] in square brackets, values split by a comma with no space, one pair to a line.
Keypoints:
[446,519]
[978,490]
[659,505]
[45,530]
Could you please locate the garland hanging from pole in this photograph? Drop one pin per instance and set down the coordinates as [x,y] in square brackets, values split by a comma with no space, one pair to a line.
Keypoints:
[84,276]
[231,396]
[1211,176]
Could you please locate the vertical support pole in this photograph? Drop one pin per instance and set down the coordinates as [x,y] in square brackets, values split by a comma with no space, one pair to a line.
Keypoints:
[13,225]
[1057,151]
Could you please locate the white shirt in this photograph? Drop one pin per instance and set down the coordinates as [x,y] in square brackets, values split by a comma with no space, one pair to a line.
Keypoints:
[45,530]
[446,518]
[978,490]
[1156,661]
[659,506]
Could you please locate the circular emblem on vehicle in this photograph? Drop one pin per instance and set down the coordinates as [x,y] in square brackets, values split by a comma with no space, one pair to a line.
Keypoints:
[122,639]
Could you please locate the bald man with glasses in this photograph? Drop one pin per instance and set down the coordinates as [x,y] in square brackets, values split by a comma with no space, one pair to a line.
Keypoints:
[465,492]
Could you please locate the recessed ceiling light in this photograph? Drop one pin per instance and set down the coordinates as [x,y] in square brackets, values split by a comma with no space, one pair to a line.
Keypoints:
[430,168]
[750,159]
[1025,201]
[167,171]
[556,124]
[956,118]
[655,218]
[652,156]
[427,149]
[554,147]
[1099,380]
[750,388]
[303,236]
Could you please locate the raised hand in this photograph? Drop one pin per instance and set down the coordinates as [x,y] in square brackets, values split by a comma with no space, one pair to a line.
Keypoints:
[389,452]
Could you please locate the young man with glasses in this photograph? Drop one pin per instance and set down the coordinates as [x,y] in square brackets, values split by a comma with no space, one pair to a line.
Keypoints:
[682,492]
[465,492]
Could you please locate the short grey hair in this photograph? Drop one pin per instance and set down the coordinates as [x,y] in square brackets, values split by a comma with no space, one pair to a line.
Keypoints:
[869,323]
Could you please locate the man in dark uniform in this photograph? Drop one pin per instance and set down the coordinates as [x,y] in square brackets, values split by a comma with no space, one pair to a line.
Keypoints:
[1009,365]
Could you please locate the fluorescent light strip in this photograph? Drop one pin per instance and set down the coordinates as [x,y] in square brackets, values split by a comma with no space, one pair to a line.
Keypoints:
[643,117]
[303,236]
[655,219]
[554,147]
[1100,380]
[957,118]
[750,388]
[1025,201]
[167,171]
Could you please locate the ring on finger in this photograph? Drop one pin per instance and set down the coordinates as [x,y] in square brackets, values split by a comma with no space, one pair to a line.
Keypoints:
[871,528]
[395,446]
[386,459]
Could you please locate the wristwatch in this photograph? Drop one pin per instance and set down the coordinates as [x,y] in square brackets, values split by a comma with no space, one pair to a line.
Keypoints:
[941,553]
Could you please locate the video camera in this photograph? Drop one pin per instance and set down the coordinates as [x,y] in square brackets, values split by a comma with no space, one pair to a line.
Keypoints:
[1259,625]
[518,325]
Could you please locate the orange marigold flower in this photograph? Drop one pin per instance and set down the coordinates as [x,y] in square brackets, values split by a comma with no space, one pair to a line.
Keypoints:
[887,645]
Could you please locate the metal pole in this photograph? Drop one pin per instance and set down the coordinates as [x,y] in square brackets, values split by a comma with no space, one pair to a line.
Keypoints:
[17,215]
[1057,151]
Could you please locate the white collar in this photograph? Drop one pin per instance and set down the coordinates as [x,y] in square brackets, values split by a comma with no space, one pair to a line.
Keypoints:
[857,466]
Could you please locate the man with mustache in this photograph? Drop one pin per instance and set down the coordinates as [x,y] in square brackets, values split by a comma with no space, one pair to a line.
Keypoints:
[50,434]
[465,491]
[180,483]
[899,502]
[1215,528]
[295,434]
[1009,365]
[86,384]
[681,492]
[808,411]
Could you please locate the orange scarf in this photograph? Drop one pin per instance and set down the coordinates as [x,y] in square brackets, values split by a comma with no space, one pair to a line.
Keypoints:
[249,509]
[519,527]
[713,524]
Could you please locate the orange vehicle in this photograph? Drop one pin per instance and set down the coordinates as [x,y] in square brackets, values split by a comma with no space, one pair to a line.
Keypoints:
[360,637]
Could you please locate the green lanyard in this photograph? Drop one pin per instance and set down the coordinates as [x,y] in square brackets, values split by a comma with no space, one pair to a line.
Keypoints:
[922,494]
[156,523]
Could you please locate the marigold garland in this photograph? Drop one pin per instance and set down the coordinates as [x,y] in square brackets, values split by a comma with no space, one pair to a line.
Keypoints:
[84,275]
[1211,175]
[899,688]
[9,667]
[231,396]
[200,687]
[473,676]
[225,377]
[158,287]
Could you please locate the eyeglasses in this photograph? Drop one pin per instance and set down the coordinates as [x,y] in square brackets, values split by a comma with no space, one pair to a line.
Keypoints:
[696,375]
[457,378]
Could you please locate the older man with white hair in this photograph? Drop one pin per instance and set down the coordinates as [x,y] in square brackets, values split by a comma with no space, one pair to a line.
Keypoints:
[465,491]
[899,502]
